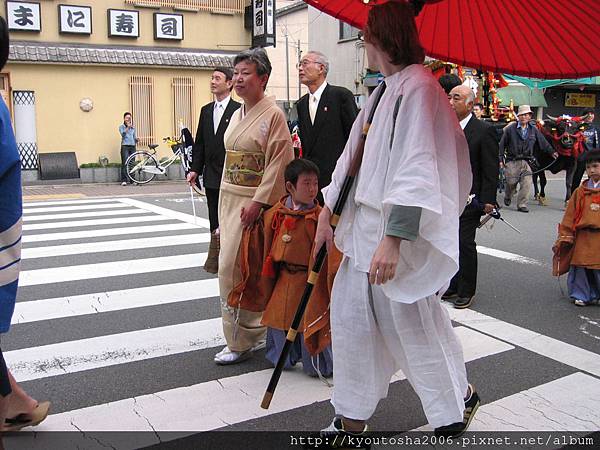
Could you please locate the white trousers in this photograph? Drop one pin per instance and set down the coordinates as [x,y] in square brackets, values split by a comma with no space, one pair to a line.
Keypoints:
[373,337]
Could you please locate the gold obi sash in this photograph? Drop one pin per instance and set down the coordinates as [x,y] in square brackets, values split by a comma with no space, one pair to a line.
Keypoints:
[244,168]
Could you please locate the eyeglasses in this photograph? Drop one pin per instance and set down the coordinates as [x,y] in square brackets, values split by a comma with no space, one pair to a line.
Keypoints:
[305,62]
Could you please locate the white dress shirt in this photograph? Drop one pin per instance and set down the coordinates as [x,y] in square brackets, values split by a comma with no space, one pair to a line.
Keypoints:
[218,111]
[465,121]
[313,101]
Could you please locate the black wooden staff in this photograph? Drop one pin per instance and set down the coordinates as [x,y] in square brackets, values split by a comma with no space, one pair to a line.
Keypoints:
[312,277]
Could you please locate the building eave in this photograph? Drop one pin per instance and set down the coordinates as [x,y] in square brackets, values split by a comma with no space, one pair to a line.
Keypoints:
[54,53]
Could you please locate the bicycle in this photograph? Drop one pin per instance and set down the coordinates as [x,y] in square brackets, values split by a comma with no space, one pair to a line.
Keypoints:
[142,166]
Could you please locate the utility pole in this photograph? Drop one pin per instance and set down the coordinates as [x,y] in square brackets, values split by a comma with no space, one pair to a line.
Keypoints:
[299,53]
[287,70]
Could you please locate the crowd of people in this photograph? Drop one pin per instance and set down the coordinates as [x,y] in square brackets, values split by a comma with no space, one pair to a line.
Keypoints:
[404,241]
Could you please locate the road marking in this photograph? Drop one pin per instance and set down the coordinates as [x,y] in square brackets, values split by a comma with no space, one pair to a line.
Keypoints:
[69,202]
[529,340]
[107,232]
[93,222]
[188,218]
[103,351]
[110,246]
[51,196]
[568,403]
[76,215]
[217,403]
[74,208]
[593,325]
[110,269]
[77,305]
[508,256]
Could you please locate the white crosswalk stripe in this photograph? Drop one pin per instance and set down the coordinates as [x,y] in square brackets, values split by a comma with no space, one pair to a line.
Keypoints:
[132,321]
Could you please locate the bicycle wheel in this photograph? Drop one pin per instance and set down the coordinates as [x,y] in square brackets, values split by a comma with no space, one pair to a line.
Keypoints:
[136,165]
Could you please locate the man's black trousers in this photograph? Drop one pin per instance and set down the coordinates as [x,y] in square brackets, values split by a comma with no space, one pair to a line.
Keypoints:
[464,282]
[212,201]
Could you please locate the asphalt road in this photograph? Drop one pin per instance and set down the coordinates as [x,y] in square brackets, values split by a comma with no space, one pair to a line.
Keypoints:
[521,335]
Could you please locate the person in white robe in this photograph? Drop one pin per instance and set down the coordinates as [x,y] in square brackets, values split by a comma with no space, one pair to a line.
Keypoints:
[399,236]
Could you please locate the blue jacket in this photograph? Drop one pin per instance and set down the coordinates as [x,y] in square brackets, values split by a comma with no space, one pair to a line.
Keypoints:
[11,209]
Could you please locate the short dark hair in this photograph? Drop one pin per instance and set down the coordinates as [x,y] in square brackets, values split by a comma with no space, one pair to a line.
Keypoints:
[4,43]
[478,104]
[258,56]
[227,71]
[449,81]
[124,114]
[297,167]
[391,27]
[592,156]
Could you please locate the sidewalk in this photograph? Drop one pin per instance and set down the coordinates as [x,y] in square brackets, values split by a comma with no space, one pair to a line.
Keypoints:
[66,191]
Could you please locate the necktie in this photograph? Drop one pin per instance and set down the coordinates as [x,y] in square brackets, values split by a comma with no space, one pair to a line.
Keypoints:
[217,113]
[312,108]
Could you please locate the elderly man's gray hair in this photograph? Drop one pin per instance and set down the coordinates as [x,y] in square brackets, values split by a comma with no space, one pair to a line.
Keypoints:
[320,58]
[257,56]
[470,96]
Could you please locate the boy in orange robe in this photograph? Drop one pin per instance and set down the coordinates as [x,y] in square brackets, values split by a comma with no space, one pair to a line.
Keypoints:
[284,240]
[580,228]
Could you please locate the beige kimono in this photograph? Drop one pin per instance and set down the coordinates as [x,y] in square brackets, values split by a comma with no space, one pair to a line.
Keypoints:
[258,148]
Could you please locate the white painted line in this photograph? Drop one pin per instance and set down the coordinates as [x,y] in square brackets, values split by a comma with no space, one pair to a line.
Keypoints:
[110,269]
[217,403]
[68,202]
[103,351]
[188,218]
[107,232]
[74,208]
[508,256]
[529,340]
[79,215]
[111,246]
[77,305]
[570,403]
[93,222]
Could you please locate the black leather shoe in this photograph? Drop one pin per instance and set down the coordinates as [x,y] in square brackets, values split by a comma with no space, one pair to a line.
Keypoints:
[449,295]
[463,302]
[524,209]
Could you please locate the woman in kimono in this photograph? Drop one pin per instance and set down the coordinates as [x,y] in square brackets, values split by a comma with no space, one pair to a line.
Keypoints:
[258,148]
[399,236]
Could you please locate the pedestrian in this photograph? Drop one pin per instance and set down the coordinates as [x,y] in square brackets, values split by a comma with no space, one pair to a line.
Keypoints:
[517,145]
[258,148]
[481,138]
[592,140]
[578,232]
[399,236]
[17,408]
[325,116]
[208,154]
[478,110]
[449,81]
[285,248]
[128,141]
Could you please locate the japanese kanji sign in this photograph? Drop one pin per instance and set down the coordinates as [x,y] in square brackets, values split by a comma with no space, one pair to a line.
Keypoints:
[168,26]
[123,22]
[75,19]
[23,16]
[263,23]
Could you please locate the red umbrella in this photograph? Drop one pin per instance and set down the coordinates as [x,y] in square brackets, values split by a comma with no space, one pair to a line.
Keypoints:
[534,38]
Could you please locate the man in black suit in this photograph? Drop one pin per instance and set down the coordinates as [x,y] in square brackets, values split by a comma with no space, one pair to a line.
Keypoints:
[208,154]
[481,138]
[325,116]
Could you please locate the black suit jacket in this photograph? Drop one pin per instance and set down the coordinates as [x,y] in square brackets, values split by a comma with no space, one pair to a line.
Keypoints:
[324,141]
[208,154]
[481,138]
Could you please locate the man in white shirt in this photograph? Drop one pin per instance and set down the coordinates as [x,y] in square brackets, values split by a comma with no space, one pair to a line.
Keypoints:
[325,116]
[208,155]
